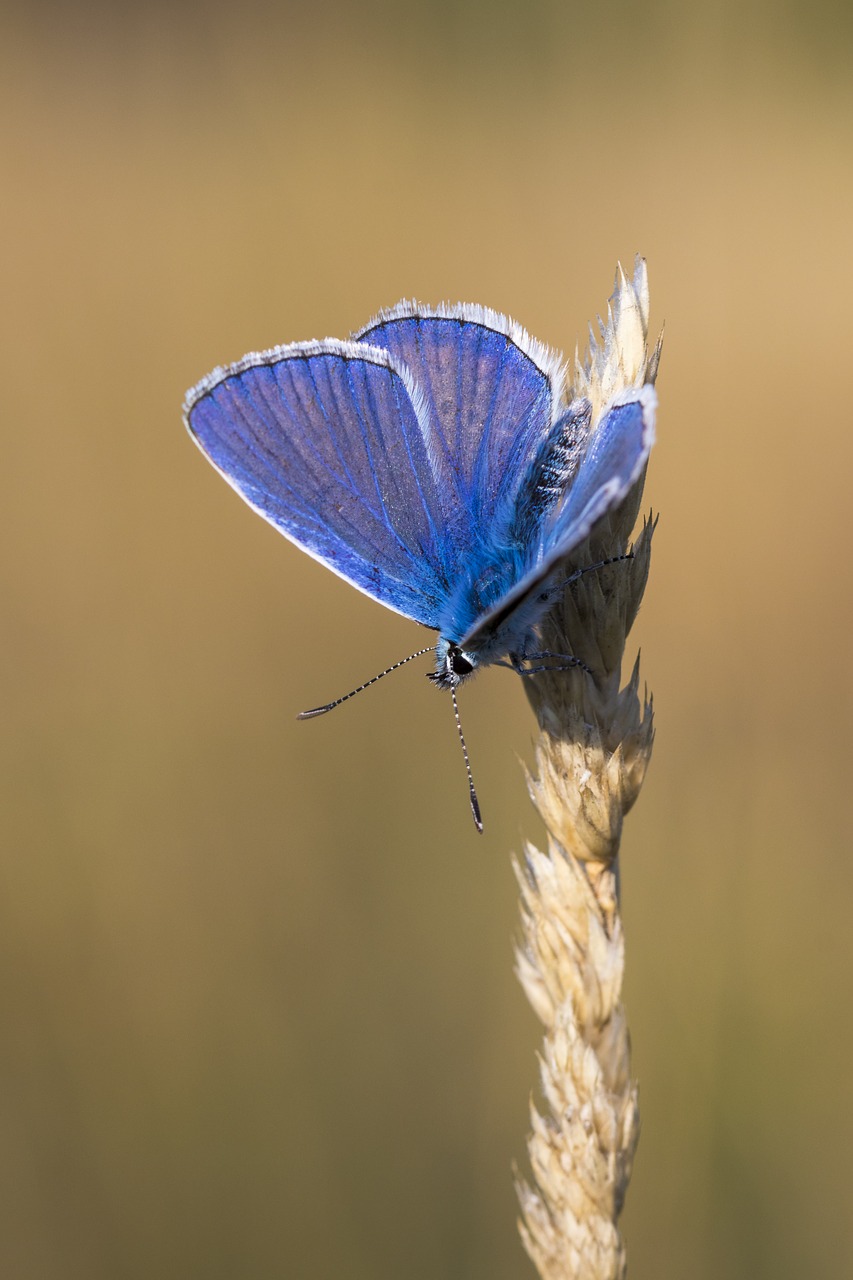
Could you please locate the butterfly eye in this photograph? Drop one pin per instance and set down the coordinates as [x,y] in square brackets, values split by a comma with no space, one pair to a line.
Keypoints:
[460,665]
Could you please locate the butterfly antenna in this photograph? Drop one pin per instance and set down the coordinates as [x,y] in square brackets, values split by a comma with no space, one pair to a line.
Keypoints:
[591,568]
[475,807]
[320,711]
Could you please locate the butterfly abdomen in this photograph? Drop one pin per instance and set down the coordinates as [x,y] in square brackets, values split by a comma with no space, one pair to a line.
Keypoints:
[548,476]
[558,459]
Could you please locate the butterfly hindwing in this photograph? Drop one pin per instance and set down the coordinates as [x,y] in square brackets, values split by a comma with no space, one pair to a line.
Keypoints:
[327,442]
[615,455]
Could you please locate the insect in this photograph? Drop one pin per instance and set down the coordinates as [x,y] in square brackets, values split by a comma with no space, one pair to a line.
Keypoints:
[435,461]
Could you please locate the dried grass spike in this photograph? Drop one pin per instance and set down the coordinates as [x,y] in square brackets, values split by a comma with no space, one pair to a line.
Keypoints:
[594,745]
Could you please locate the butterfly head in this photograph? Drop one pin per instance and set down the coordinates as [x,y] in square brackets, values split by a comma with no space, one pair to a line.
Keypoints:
[452,665]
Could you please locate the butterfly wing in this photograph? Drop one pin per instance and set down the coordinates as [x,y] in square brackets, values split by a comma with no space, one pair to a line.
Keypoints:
[327,442]
[615,455]
[492,394]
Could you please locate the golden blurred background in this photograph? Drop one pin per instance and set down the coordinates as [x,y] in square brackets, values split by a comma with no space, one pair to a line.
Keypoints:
[257,1009]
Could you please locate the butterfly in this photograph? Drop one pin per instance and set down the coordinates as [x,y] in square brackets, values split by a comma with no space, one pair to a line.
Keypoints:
[437,461]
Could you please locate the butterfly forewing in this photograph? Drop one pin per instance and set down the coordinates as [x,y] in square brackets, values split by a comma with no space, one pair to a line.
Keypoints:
[325,441]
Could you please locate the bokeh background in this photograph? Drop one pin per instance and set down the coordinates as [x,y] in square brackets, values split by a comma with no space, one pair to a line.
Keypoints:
[257,1010]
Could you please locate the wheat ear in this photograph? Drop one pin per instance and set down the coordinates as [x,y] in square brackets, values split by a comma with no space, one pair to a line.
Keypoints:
[594,745]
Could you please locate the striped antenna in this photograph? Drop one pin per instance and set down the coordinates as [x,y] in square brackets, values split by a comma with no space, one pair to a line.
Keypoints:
[475,807]
[591,568]
[321,711]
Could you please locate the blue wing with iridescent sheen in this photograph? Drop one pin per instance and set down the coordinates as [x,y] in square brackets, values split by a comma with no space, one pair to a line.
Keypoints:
[612,461]
[329,442]
[492,394]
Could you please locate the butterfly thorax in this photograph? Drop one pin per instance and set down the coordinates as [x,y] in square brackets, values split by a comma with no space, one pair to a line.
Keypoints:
[489,576]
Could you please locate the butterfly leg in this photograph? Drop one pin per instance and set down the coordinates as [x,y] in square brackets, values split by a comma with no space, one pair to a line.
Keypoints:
[567,661]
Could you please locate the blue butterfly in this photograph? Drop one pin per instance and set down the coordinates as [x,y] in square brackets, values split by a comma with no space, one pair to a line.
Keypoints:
[435,462]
